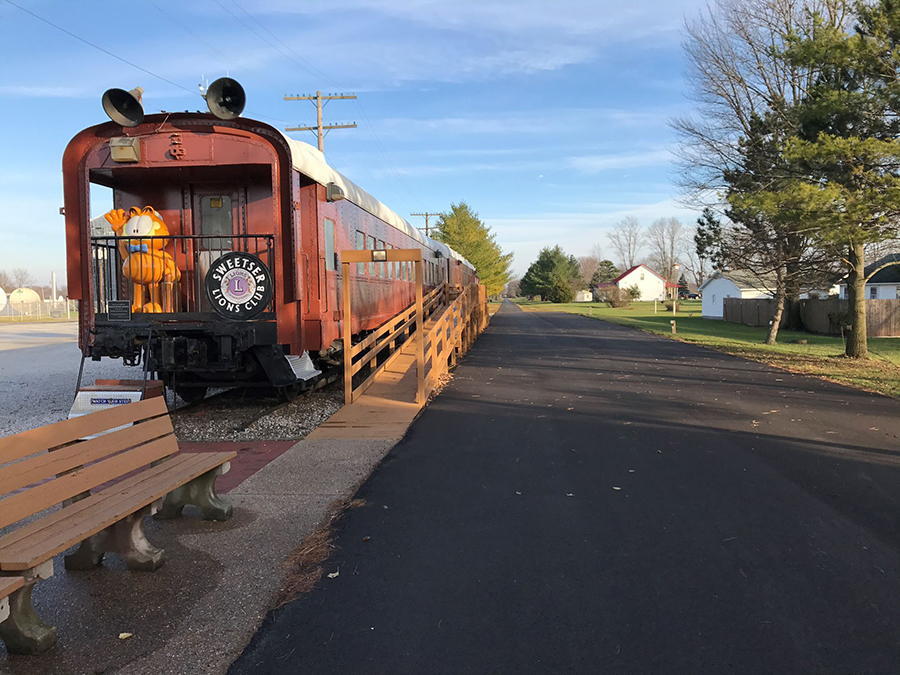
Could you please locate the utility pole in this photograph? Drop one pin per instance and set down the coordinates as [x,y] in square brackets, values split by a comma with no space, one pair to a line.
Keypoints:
[426,214]
[321,131]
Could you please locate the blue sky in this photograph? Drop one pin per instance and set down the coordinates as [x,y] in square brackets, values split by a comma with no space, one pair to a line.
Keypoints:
[549,118]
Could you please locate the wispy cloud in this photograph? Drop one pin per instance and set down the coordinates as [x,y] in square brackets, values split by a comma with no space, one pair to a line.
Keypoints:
[534,122]
[597,163]
[574,17]
[29,91]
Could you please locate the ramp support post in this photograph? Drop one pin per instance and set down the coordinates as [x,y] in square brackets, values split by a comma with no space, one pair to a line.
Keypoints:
[420,331]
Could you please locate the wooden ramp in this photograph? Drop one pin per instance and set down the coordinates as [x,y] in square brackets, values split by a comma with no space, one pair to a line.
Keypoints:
[387,408]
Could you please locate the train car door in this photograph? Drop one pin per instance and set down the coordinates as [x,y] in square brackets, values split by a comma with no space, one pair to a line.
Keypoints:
[216,219]
[330,299]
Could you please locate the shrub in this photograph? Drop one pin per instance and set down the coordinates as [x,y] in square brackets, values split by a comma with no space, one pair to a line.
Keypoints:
[633,292]
[669,303]
[616,297]
[561,292]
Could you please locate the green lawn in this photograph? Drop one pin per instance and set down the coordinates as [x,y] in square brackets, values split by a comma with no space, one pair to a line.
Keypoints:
[822,356]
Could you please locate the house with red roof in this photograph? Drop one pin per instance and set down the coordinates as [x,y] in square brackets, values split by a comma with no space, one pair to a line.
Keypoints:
[651,284]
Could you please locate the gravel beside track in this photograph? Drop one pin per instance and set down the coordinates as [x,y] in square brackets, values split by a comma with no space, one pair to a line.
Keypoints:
[223,416]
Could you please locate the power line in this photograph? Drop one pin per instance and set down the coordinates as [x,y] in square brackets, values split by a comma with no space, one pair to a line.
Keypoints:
[99,48]
[308,67]
[217,51]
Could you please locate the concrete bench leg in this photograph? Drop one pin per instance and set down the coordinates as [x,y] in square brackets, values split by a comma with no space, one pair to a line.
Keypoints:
[23,632]
[126,539]
[200,492]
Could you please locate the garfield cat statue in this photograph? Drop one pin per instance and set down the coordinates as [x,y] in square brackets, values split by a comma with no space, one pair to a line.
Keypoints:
[144,259]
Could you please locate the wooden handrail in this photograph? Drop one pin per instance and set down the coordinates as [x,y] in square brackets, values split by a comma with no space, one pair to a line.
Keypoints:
[390,338]
[455,327]
[446,338]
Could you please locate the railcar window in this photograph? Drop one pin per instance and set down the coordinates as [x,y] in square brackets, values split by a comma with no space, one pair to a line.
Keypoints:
[360,246]
[330,257]
[390,265]
[382,271]
[370,245]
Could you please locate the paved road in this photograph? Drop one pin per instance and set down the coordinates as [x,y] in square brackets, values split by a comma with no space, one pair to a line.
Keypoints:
[586,498]
[38,371]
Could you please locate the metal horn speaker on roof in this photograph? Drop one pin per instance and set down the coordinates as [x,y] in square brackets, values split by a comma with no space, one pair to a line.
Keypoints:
[226,98]
[124,107]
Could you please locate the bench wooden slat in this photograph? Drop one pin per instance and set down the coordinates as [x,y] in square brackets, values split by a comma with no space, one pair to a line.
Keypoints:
[70,523]
[34,500]
[101,510]
[65,432]
[49,464]
[38,527]
[9,585]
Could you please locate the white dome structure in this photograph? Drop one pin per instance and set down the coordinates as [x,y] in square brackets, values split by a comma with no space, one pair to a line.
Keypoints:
[2,299]
[24,301]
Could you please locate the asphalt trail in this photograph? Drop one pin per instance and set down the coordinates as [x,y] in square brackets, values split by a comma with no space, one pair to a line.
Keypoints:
[587,498]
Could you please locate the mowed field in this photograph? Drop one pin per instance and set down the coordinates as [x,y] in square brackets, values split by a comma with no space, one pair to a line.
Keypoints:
[822,355]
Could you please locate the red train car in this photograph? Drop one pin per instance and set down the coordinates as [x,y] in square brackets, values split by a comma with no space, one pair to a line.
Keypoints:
[241,205]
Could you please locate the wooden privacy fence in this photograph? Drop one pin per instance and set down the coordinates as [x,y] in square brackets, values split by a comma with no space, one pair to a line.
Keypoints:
[824,316]
[750,312]
[452,335]
[827,316]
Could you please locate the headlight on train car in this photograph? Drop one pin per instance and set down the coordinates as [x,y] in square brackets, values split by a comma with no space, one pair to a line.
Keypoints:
[334,193]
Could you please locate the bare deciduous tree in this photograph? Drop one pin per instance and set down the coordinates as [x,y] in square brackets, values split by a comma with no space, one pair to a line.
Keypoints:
[590,262]
[734,74]
[6,282]
[627,240]
[694,265]
[22,278]
[665,239]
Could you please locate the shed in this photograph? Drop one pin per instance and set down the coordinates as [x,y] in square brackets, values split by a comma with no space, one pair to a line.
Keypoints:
[729,284]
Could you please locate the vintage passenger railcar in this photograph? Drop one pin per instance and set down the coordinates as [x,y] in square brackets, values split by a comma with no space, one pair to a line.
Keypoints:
[229,192]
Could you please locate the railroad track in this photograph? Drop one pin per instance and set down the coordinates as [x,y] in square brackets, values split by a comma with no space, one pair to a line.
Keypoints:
[242,414]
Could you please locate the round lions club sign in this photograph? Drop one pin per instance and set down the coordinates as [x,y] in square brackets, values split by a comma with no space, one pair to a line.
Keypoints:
[239,285]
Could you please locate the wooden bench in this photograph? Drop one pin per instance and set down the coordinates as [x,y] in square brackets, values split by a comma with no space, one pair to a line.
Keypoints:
[106,484]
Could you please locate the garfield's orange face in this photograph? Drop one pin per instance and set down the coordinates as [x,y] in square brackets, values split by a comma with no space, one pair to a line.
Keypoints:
[146,222]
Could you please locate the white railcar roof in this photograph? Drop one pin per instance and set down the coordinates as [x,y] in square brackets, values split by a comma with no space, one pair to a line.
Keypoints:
[310,162]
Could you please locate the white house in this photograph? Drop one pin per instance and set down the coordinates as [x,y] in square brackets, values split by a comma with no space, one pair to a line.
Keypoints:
[584,296]
[885,283]
[651,284]
[731,284]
